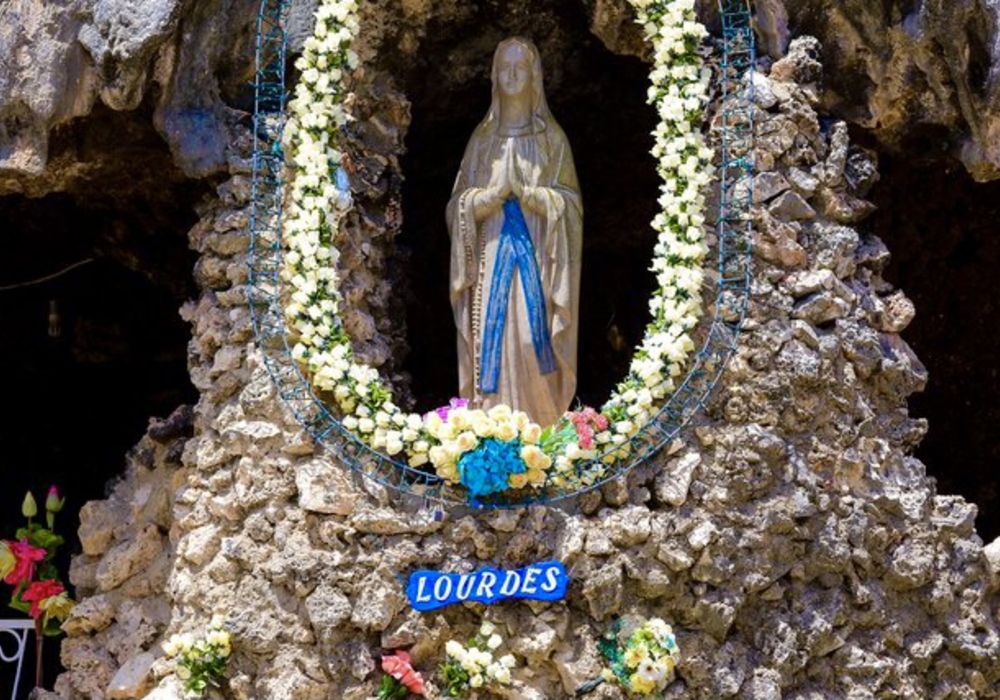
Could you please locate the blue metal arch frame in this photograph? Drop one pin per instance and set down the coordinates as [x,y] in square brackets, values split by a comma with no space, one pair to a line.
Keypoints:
[721,335]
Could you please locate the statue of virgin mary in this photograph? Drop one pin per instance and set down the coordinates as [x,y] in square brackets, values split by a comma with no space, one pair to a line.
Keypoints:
[516,220]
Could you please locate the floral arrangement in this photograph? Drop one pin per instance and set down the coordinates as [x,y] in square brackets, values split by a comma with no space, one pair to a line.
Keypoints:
[200,662]
[475,666]
[28,564]
[498,450]
[642,656]
[401,678]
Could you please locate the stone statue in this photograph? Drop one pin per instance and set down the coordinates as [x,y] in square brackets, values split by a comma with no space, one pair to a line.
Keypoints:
[516,221]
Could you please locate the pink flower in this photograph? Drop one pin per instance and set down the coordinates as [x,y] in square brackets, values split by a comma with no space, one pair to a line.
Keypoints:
[398,666]
[40,591]
[24,568]
[586,421]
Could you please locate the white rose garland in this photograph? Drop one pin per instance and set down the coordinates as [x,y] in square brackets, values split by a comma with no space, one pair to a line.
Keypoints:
[320,198]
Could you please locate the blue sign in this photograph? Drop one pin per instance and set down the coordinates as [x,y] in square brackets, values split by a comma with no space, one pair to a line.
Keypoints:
[430,590]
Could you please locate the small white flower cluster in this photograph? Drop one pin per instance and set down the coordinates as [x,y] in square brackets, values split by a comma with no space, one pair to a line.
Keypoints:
[185,643]
[200,662]
[320,198]
[679,88]
[477,660]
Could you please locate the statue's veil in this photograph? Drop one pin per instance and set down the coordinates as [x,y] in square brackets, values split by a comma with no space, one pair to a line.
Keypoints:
[539,106]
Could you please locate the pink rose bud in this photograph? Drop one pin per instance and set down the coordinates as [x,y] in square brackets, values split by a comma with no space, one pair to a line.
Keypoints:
[29,508]
[53,503]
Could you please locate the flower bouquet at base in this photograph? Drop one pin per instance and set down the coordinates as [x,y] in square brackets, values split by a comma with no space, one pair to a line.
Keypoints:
[642,655]
[469,668]
[200,662]
[400,680]
[28,564]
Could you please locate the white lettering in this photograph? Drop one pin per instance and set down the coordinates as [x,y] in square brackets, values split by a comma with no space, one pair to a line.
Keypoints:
[441,592]
[551,579]
[529,587]
[464,593]
[511,583]
[422,597]
[486,583]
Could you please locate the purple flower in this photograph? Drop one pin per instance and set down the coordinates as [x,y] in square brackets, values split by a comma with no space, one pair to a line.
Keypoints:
[443,411]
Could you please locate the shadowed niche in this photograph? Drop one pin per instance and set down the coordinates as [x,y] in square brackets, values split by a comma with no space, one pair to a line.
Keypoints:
[92,343]
[940,227]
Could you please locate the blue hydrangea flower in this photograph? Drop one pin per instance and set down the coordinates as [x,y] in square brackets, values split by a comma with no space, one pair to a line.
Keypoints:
[486,469]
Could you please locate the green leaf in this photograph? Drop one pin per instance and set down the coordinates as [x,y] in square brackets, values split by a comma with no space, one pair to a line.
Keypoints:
[17,604]
[391,689]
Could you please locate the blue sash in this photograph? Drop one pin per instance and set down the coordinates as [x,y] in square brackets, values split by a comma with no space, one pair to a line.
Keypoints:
[514,251]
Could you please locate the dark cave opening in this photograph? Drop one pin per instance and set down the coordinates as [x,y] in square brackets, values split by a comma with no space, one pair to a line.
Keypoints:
[599,100]
[940,226]
[91,281]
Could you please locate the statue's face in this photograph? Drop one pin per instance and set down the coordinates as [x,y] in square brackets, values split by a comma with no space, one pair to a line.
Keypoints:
[514,70]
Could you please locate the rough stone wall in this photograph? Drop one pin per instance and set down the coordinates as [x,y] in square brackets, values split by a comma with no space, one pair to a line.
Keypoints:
[797,548]
[921,75]
[121,575]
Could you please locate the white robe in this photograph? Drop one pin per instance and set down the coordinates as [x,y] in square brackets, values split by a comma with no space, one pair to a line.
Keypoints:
[553,211]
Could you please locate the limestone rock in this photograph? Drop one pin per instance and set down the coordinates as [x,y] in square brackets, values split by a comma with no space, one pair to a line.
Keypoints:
[603,591]
[128,558]
[325,488]
[201,544]
[132,680]
[379,599]
[98,520]
[992,554]
[673,484]
[328,609]
[91,615]
[170,688]
[629,526]
[791,206]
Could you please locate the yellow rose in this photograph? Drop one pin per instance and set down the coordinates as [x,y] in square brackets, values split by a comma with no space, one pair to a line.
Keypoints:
[439,456]
[500,413]
[483,425]
[460,419]
[531,433]
[521,420]
[433,423]
[517,481]
[7,560]
[449,473]
[535,458]
[466,441]
[536,477]
[506,431]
